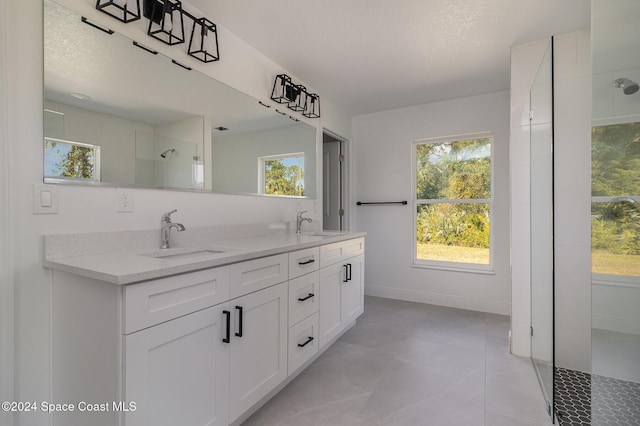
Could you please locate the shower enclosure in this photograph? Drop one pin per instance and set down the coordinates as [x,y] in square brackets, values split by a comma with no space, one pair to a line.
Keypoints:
[542,259]
[585,221]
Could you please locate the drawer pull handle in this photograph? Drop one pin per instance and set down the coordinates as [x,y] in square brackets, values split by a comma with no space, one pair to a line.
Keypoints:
[346,273]
[228,315]
[349,271]
[306,262]
[309,340]
[239,333]
[302,299]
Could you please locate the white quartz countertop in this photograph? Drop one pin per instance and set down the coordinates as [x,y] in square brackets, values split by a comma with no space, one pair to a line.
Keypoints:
[130,266]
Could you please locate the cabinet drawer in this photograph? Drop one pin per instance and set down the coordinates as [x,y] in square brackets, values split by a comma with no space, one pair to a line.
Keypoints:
[337,252]
[303,261]
[303,342]
[153,302]
[304,298]
[254,275]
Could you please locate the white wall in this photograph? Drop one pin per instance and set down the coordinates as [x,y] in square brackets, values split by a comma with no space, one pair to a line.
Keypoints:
[572,147]
[382,144]
[572,183]
[84,209]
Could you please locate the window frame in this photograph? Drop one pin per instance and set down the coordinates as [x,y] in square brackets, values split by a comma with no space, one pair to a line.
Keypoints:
[610,279]
[441,264]
[262,170]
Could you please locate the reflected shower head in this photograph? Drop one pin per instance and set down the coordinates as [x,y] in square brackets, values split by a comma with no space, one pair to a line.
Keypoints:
[628,87]
[164,154]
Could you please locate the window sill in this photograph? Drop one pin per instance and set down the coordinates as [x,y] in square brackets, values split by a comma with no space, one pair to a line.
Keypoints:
[480,269]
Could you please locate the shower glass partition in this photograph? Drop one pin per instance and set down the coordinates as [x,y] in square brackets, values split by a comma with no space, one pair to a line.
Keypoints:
[615,213]
[542,253]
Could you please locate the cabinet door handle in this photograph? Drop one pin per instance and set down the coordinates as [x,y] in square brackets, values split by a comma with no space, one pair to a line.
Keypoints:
[309,340]
[306,262]
[349,270]
[346,273]
[228,315]
[239,333]
[302,299]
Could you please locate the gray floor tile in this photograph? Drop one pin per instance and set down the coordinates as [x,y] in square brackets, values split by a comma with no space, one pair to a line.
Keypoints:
[407,363]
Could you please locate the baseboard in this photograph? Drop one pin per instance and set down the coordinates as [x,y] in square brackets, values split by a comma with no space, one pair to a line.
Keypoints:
[489,306]
[619,325]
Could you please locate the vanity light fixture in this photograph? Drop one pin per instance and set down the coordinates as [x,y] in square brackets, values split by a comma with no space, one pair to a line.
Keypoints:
[123,10]
[166,22]
[203,44]
[295,96]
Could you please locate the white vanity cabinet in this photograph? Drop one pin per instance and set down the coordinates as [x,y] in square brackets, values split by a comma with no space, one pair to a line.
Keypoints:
[200,348]
[341,287]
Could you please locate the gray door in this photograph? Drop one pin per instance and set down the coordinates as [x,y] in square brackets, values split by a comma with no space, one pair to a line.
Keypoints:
[332,184]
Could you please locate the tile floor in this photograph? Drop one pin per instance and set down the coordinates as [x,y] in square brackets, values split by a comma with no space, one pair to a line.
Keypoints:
[413,364]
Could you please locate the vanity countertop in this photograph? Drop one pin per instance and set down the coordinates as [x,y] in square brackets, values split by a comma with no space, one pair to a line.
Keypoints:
[133,265]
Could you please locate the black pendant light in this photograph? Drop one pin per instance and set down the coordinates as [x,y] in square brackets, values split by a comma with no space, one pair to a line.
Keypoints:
[166,21]
[283,90]
[296,102]
[123,10]
[312,106]
[203,44]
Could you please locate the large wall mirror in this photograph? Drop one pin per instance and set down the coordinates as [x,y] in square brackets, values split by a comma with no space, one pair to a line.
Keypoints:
[117,114]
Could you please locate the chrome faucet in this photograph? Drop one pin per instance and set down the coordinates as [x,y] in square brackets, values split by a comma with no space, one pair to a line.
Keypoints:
[165,229]
[301,219]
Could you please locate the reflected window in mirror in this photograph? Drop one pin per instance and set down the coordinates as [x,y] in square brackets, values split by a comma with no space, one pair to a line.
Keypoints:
[71,160]
[282,174]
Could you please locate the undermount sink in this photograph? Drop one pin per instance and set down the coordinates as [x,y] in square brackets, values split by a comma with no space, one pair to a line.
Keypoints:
[185,253]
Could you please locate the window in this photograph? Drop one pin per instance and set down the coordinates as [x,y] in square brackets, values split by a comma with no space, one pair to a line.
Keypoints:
[615,200]
[71,160]
[453,204]
[281,174]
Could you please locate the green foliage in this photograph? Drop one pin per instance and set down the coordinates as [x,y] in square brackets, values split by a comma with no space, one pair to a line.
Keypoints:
[615,171]
[459,170]
[283,180]
[615,227]
[454,170]
[615,159]
[78,162]
[464,225]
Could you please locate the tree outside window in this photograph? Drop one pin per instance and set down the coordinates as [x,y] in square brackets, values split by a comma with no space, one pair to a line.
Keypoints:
[282,174]
[71,160]
[615,192]
[453,182]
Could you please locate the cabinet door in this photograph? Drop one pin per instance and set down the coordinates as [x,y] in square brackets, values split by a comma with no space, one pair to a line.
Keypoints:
[331,281]
[258,356]
[353,290]
[177,372]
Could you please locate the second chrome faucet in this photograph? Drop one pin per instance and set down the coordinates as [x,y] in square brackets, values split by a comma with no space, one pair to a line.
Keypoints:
[300,219]
[165,229]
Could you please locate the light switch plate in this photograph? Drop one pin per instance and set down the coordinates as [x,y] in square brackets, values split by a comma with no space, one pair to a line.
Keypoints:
[45,199]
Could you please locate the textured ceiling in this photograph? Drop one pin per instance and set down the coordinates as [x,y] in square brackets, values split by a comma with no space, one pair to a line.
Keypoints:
[372,55]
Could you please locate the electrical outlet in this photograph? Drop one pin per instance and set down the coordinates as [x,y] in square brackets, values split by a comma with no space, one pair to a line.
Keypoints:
[125,200]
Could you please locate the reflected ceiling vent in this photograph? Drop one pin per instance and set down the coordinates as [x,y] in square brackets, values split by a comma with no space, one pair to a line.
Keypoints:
[628,87]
